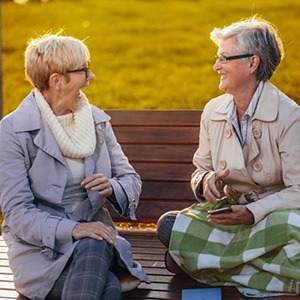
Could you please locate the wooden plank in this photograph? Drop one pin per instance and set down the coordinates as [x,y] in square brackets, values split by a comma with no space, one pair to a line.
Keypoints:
[155,117]
[152,209]
[7,285]
[157,135]
[167,190]
[5,270]
[6,277]
[165,172]
[3,263]
[8,294]
[160,153]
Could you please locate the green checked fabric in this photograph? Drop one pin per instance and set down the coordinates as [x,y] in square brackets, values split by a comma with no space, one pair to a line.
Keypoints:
[260,260]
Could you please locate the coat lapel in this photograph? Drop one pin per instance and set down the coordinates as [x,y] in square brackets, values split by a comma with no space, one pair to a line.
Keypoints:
[42,135]
[46,141]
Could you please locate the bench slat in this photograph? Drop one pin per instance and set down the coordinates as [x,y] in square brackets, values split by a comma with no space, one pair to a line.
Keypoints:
[160,153]
[150,211]
[155,117]
[167,190]
[164,172]
[157,135]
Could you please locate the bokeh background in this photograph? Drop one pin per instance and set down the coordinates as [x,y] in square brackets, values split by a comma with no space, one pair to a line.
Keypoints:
[146,54]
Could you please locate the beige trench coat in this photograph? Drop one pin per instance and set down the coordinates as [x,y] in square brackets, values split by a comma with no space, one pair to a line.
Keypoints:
[270,173]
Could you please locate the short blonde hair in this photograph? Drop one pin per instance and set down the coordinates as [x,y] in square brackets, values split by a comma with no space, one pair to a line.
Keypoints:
[53,53]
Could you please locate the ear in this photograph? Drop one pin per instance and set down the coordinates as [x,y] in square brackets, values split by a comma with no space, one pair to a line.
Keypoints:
[55,81]
[254,63]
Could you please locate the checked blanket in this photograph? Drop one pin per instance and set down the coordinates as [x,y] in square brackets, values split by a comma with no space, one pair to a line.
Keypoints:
[260,260]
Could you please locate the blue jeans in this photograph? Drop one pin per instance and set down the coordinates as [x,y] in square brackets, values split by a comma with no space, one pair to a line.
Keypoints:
[88,274]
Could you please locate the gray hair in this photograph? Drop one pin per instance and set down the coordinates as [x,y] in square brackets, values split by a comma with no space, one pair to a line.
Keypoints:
[258,37]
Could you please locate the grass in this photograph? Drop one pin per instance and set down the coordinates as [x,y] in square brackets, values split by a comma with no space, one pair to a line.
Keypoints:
[146,54]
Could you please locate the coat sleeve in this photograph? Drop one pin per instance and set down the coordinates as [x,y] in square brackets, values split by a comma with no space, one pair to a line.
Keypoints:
[125,181]
[21,216]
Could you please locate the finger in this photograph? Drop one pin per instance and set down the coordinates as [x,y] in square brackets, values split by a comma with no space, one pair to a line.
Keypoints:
[100,186]
[221,219]
[212,191]
[105,232]
[96,236]
[210,197]
[91,178]
[106,191]
[108,237]
[222,174]
[96,184]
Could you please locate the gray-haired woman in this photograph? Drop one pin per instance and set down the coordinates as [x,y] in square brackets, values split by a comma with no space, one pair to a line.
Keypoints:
[249,153]
[60,164]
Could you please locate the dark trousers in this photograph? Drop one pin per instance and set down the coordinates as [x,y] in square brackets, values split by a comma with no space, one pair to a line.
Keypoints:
[88,275]
[165,225]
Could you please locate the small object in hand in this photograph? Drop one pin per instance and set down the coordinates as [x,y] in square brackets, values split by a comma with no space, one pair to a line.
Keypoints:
[223,205]
[220,210]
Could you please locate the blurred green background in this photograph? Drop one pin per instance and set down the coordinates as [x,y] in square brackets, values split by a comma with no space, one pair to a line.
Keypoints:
[146,54]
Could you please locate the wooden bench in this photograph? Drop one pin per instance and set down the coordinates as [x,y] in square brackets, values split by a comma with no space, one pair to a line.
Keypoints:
[160,145]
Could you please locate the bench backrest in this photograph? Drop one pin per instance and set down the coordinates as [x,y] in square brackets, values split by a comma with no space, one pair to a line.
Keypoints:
[160,145]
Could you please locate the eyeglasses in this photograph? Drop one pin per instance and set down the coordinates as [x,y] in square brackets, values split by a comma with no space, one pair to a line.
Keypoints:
[223,59]
[84,69]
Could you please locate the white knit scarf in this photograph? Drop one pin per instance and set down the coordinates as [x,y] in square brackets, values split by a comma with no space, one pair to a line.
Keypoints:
[74,132]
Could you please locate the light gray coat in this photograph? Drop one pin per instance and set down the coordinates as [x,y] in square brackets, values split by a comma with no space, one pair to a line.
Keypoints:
[33,175]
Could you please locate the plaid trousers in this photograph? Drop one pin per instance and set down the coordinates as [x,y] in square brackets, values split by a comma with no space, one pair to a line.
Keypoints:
[88,275]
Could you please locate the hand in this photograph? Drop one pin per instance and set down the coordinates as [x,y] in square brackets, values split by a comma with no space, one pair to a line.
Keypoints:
[240,215]
[99,183]
[209,185]
[94,230]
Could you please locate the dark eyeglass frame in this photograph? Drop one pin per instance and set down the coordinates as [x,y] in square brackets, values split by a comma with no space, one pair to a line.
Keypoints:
[86,70]
[223,59]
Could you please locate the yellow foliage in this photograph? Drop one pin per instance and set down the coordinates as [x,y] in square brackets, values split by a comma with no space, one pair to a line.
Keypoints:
[145,54]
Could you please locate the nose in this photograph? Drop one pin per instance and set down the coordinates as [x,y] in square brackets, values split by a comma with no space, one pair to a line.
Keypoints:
[217,65]
[91,75]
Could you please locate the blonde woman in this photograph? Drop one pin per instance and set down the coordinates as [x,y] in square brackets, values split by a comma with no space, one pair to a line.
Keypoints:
[60,165]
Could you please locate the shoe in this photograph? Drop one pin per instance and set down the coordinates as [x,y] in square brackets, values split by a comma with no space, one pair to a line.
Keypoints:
[129,283]
[171,265]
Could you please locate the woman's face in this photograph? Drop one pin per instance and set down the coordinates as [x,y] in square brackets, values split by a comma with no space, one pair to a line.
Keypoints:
[75,80]
[234,73]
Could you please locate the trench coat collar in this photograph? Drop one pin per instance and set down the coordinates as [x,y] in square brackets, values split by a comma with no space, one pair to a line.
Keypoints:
[28,119]
[267,107]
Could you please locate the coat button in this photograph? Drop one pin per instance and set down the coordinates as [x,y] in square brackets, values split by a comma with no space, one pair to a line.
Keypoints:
[257,133]
[257,166]
[228,133]
[223,164]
